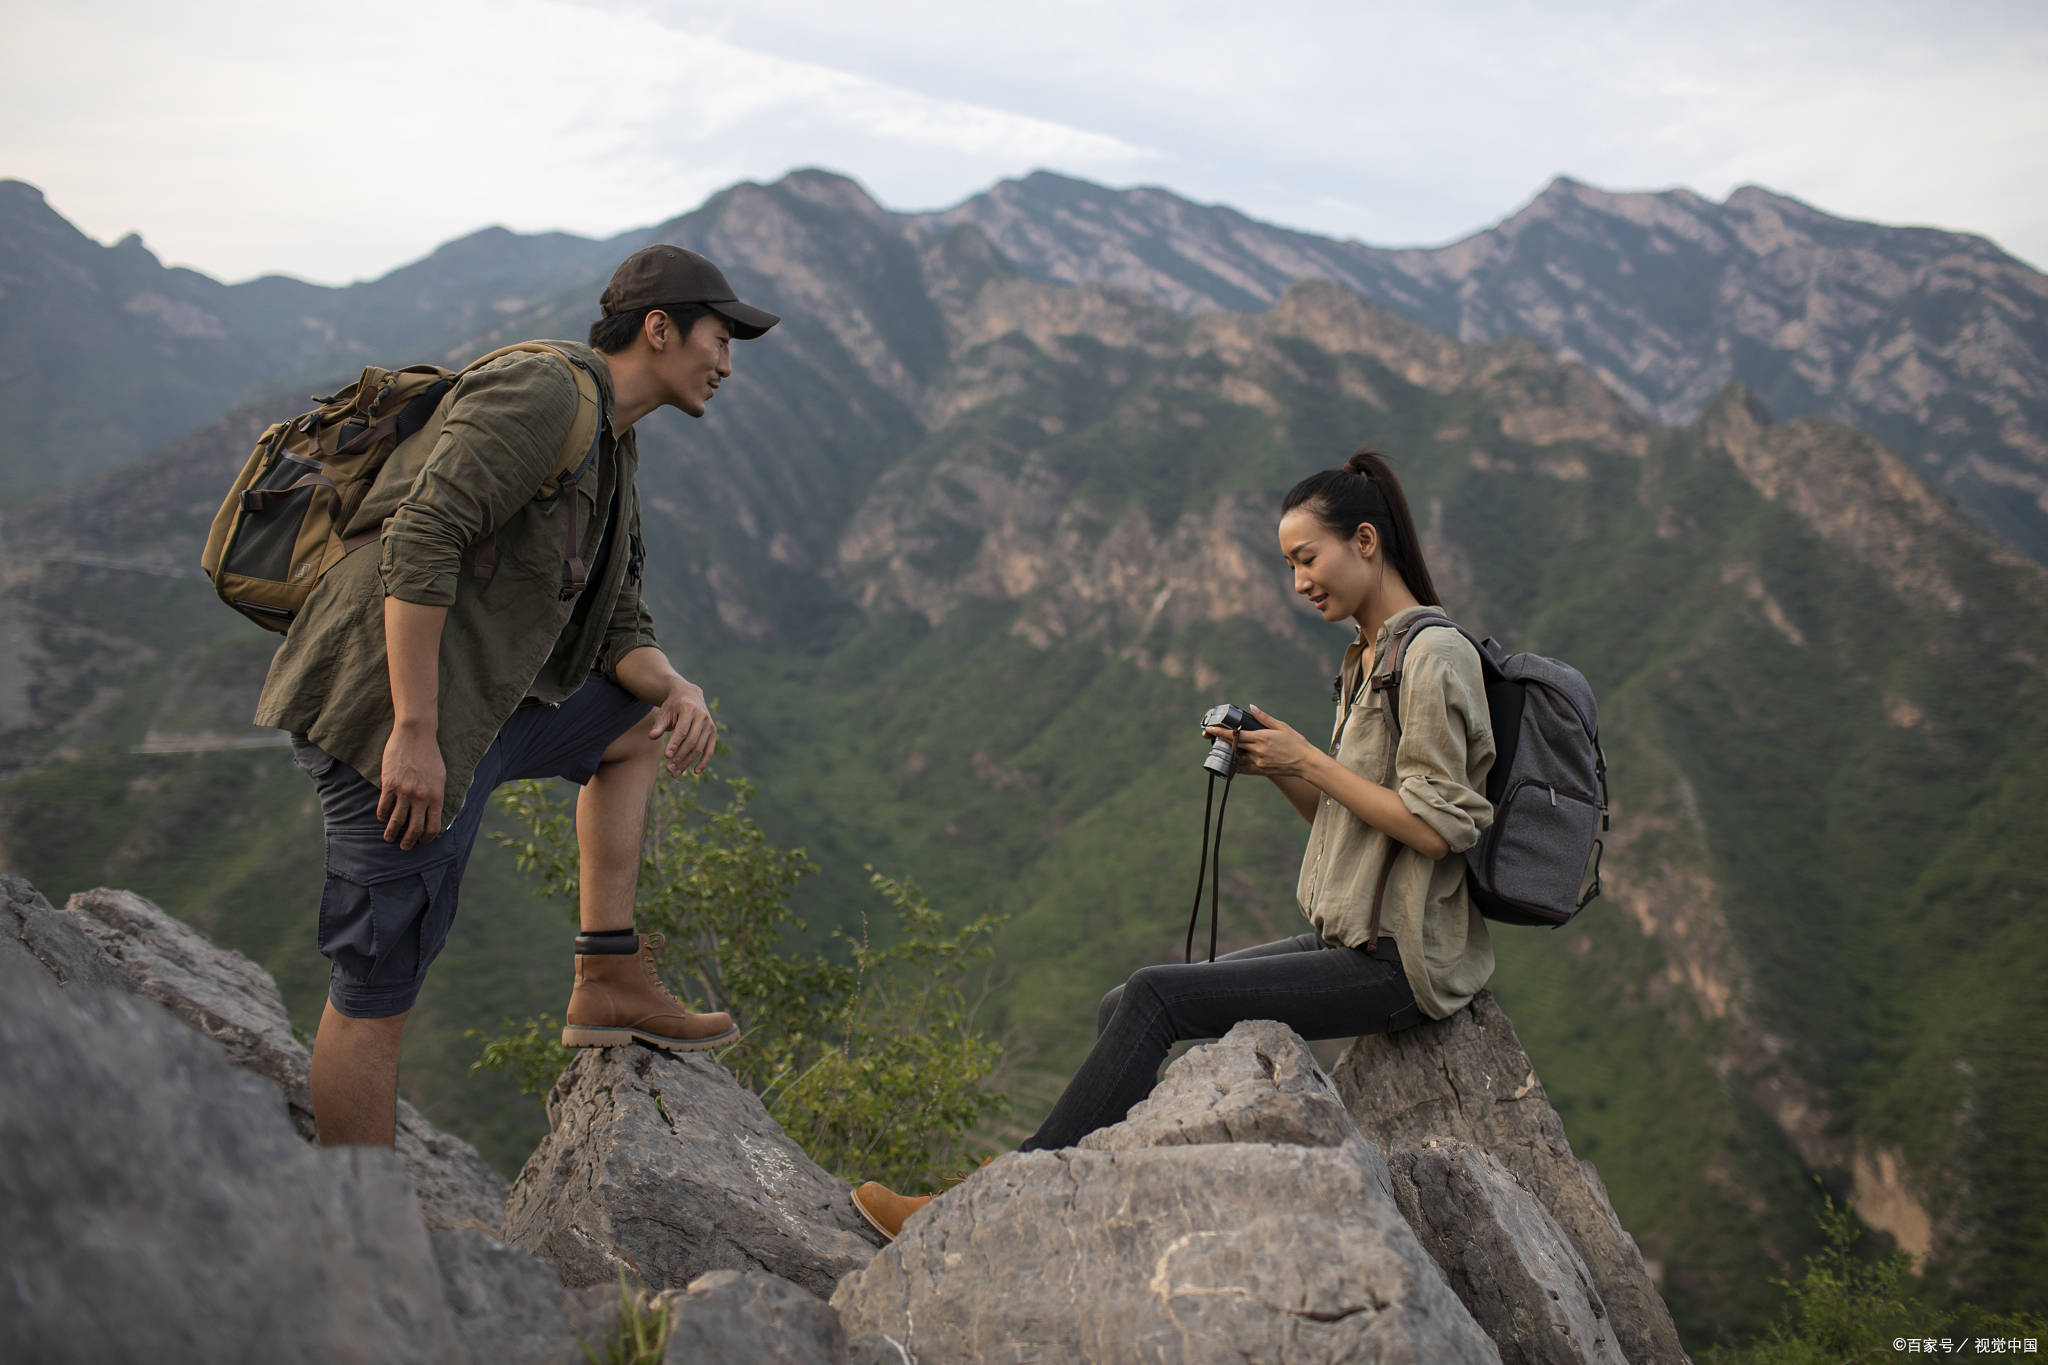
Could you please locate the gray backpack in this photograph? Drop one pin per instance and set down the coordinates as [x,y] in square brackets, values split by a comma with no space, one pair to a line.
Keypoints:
[1539,863]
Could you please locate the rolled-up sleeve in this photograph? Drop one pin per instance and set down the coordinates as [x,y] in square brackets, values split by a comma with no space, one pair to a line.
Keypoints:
[1445,733]
[500,442]
[631,626]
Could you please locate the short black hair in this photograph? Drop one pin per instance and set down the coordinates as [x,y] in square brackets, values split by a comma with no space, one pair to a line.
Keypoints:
[615,333]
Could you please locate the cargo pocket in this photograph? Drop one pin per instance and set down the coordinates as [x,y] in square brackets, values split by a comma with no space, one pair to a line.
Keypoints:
[309,758]
[381,934]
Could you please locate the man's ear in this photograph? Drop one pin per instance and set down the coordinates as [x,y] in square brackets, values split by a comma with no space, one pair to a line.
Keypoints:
[657,330]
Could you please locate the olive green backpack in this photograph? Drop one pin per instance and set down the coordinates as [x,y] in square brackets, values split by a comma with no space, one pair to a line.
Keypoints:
[303,499]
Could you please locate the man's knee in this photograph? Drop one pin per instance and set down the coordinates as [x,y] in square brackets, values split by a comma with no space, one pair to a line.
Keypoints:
[632,749]
[361,1033]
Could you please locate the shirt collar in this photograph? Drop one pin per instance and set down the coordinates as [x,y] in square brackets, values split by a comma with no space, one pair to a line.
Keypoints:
[1394,623]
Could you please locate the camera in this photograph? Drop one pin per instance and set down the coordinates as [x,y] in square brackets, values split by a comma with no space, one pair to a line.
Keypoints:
[1222,759]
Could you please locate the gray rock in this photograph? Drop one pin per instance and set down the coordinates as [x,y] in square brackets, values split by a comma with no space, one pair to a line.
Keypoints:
[216,990]
[1233,1252]
[734,1317]
[1235,1215]
[236,1003]
[1504,1256]
[457,1188]
[1468,1078]
[874,1349]
[155,1204]
[667,1167]
[511,1308]
[33,930]
[1259,1084]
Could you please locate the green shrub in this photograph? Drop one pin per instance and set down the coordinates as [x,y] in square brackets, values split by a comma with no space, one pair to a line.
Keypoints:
[1845,1309]
[869,1057]
[638,1334]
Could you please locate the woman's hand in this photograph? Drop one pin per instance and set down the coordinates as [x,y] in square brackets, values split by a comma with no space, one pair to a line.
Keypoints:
[1279,750]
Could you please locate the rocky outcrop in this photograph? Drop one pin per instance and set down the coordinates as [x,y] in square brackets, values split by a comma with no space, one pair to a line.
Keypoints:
[511,1308]
[158,1202]
[33,931]
[665,1167]
[1260,1085]
[1193,1232]
[234,1002]
[1243,1212]
[1468,1079]
[735,1317]
[1504,1256]
[141,1163]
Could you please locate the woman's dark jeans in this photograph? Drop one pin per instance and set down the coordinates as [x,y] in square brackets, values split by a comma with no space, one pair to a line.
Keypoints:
[1318,990]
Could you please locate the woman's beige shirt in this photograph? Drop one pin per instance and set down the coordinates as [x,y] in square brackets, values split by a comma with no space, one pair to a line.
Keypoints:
[1439,770]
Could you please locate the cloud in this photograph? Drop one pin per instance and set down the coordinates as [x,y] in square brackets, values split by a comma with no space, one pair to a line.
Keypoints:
[1417,123]
[237,137]
[249,141]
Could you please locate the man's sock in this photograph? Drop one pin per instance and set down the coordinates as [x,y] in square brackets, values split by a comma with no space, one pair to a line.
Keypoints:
[608,941]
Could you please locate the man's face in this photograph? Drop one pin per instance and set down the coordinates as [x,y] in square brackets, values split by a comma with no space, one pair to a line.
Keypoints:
[695,365]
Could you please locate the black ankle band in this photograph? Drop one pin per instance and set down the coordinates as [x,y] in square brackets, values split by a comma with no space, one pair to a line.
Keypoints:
[615,941]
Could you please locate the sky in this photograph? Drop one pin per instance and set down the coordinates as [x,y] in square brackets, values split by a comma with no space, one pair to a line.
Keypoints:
[242,138]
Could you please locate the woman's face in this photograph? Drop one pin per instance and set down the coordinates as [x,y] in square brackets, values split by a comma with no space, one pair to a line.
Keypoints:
[1334,572]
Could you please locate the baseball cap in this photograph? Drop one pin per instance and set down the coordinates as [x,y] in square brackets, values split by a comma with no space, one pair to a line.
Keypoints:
[658,275]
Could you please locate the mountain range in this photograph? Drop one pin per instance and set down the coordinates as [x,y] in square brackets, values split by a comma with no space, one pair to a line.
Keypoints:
[969,542]
[1934,341]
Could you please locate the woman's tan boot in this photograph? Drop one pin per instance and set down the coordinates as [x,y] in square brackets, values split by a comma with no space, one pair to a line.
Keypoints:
[887,1209]
[619,998]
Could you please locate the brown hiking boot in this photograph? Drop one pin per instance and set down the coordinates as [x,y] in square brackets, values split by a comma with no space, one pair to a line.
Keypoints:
[887,1209]
[619,999]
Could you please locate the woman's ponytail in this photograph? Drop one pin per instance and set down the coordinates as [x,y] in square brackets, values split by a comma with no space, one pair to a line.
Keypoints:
[1365,490]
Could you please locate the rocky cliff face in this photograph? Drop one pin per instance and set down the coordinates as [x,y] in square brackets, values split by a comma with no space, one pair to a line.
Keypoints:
[1241,1214]
[1935,341]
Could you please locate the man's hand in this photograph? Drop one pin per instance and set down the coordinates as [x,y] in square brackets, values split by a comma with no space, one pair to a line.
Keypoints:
[692,734]
[414,780]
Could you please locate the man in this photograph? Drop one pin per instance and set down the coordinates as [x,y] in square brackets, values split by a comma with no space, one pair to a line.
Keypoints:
[462,654]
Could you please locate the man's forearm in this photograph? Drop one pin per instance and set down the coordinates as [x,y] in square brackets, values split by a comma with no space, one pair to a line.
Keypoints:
[648,675]
[412,646]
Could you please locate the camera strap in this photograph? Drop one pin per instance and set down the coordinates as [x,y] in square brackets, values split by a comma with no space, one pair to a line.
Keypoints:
[1209,868]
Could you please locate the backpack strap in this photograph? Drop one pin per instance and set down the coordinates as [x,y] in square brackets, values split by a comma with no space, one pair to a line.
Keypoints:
[1387,679]
[578,454]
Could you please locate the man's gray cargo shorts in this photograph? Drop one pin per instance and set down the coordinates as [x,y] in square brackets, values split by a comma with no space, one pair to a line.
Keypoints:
[386,911]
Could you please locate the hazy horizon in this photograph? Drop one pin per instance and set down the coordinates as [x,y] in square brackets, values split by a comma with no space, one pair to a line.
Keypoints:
[1495,221]
[238,140]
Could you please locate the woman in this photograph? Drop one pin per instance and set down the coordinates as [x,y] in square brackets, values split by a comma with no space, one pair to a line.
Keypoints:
[1395,935]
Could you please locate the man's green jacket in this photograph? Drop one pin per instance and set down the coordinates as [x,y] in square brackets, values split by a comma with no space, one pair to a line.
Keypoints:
[508,639]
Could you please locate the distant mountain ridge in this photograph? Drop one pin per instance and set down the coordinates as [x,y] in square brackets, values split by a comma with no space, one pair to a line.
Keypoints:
[106,354]
[1935,341]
